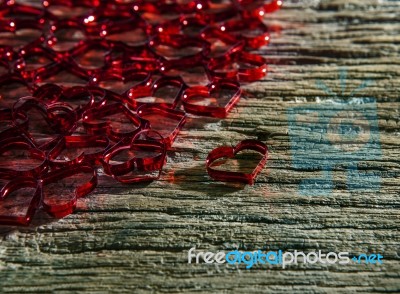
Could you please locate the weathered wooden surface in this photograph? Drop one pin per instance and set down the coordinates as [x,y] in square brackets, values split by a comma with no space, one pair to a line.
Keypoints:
[135,239]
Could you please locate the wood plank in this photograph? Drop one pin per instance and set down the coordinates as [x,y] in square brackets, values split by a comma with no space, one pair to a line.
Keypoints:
[136,238]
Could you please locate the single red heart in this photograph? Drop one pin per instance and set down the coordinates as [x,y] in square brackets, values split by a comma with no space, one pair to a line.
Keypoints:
[20,158]
[63,187]
[168,122]
[122,85]
[140,161]
[49,120]
[165,91]
[115,120]
[230,152]
[215,100]
[72,150]
[19,200]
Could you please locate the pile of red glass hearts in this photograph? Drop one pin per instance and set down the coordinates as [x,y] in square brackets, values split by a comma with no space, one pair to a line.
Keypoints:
[123,107]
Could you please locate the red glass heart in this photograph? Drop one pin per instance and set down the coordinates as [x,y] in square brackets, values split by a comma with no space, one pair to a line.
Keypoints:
[230,152]
[71,150]
[165,91]
[168,122]
[139,161]
[62,188]
[19,200]
[20,157]
[215,100]
[115,120]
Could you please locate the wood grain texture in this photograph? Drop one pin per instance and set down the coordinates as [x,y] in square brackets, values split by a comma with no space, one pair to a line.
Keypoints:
[136,238]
